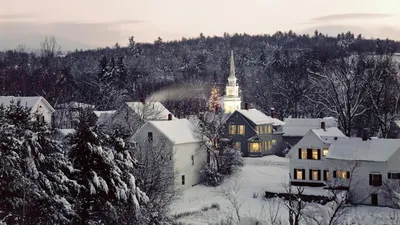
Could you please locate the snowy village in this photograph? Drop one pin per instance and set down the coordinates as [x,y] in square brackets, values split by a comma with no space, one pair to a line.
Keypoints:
[287,128]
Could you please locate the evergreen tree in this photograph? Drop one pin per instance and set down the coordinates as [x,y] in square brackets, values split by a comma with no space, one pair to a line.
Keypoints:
[34,188]
[104,168]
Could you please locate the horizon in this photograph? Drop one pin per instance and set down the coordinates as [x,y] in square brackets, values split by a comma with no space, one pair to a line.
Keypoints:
[95,24]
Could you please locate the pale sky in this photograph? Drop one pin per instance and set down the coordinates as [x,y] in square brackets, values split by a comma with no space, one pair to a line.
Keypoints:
[100,23]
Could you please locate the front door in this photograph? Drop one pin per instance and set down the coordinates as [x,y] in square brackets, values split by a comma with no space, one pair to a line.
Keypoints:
[374,199]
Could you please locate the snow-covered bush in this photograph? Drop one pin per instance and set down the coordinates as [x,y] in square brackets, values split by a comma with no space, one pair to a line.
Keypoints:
[210,176]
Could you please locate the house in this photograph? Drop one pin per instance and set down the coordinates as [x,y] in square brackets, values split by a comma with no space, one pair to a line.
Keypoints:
[395,129]
[66,115]
[132,115]
[189,157]
[308,157]
[368,166]
[41,109]
[295,128]
[255,133]
[104,117]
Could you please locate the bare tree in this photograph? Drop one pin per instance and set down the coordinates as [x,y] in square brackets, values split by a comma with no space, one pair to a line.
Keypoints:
[342,89]
[50,47]
[383,88]
[230,191]
[271,213]
[294,203]
[156,175]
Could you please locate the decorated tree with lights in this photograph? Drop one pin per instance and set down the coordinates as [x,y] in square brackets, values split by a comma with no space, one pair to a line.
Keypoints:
[215,102]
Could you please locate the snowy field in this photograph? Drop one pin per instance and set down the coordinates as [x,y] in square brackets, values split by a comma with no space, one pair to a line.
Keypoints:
[256,176]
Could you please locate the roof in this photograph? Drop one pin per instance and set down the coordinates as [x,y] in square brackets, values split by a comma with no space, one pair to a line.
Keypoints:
[259,118]
[28,101]
[74,105]
[375,150]
[329,134]
[178,131]
[103,116]
[298,127]
[150,110]
[397,122]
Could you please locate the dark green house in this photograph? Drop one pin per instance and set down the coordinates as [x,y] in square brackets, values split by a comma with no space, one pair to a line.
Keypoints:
[255,133]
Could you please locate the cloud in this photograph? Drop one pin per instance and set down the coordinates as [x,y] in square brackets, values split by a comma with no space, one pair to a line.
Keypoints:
[15,16]
[351,16]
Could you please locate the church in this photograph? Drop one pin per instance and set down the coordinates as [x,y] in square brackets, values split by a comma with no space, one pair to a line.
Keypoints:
[232,101]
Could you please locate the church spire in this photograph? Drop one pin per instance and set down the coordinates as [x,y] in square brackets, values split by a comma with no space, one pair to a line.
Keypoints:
[232,69]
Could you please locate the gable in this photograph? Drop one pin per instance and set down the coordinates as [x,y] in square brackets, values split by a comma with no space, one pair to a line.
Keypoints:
[310,140]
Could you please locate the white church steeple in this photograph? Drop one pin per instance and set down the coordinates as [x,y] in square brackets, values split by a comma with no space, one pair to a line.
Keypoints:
[232,99]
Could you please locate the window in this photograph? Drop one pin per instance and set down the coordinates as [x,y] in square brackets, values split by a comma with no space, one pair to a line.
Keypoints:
[150,136]
[326,175]
[183,179]
[241,129]
[255,147]
[260,129]
[273,142]
[238,145]
[269,129]
[375,180]
[341,174]
[269,145]
[208,157]
[302,153]
[192,160]
[315,154]
[324,151]
[393,175]
[315,175]
[299,174]
[232,129]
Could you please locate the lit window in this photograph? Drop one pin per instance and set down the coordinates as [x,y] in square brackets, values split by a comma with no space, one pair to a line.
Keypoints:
[241,129]
[324,151]
[269,129]
[269,145]
[303,153]
[265,143]
[232,129]
[273,142]
[254,147]
[315,154]
[342,174]
[261,130]
[299,174]
[315,175]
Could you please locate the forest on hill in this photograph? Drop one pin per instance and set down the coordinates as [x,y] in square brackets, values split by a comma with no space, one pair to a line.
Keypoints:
[349,77]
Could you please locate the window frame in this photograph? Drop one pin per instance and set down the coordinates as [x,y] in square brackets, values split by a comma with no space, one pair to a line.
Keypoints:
[238,131]
[232,129]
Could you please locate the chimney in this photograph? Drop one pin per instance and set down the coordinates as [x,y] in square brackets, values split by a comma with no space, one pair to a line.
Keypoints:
[142,100]
[246,106]
[169,116]
[323,127]
[365,134]
[273,113]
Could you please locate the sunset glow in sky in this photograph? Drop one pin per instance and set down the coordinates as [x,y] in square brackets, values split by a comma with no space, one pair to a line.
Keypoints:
[100,23]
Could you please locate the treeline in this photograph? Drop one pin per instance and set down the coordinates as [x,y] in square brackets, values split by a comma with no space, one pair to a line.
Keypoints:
[273,71]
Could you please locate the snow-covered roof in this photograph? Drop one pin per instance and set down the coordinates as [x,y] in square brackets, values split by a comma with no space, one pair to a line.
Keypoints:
[178,131]
[28,101]
[150,110]
[397,122]
[375,150]
[74,105]
[259,118]
[329,134]
[298,127]
[104,116]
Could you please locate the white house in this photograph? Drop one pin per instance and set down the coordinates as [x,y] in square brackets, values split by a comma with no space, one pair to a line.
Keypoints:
[66,115]
[295,128]
[40,107]
[308,157]
[189,155]
[369,167]
[132,115]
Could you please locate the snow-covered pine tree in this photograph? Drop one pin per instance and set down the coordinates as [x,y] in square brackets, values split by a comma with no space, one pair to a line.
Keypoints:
[33,186]
[104,165]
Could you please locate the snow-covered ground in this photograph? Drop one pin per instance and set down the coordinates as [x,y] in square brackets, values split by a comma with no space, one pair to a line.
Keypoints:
[269,173]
